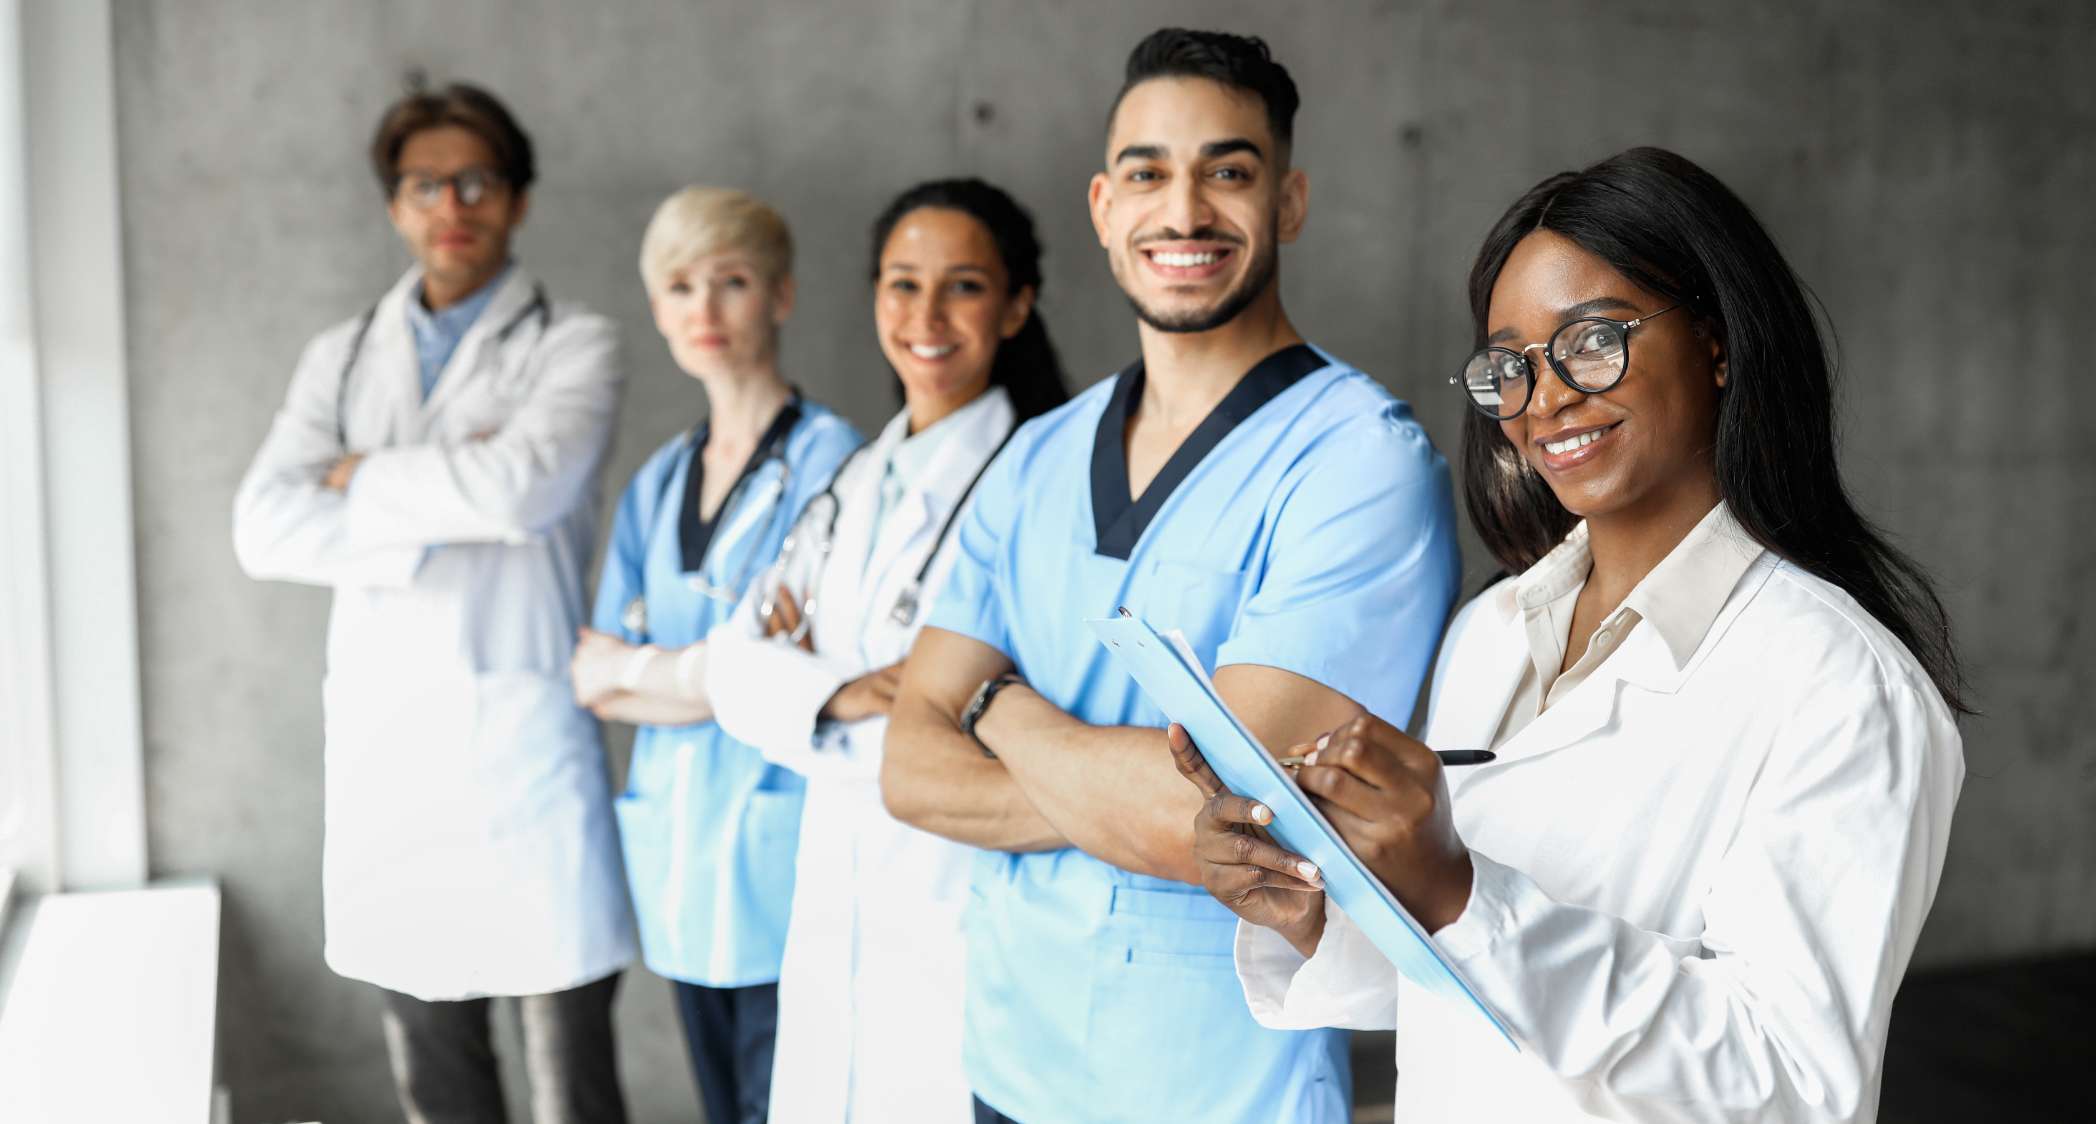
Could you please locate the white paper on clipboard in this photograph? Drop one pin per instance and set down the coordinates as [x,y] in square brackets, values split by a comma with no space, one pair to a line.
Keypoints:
[1175,679]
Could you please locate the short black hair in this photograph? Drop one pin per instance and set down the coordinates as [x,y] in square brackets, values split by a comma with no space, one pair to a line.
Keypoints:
[1241,62]
[466,106]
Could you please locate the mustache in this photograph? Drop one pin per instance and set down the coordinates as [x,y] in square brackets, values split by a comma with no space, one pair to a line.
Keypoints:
[1198,234]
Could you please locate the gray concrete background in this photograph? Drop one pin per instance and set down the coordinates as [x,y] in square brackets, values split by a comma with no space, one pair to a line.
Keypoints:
[1926,166]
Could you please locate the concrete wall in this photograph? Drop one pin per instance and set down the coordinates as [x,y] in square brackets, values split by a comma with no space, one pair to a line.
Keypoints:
[1926,168]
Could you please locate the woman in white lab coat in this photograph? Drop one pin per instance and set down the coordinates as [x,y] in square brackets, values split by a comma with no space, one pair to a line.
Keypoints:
[870,991]
[1724,709]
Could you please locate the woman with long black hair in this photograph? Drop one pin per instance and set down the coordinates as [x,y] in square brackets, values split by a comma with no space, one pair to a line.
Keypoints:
[1723,707]
[870,991]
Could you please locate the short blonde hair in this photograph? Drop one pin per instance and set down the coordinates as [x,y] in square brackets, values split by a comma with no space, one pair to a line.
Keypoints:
[699,221]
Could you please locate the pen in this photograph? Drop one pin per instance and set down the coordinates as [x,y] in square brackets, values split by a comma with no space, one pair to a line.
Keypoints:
[1449,757]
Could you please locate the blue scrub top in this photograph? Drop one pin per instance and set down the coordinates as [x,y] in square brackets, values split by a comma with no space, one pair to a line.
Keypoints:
[1306,525]
[709,828]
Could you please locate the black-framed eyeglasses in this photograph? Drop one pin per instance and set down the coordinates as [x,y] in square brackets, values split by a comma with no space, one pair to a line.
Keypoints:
[1589,354]
[424,191]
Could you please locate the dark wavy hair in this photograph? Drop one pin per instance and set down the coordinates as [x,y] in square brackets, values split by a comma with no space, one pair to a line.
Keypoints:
[1675,230]
[1026,365]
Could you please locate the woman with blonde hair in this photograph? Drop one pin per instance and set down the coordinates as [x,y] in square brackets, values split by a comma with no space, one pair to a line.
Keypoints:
[708,826]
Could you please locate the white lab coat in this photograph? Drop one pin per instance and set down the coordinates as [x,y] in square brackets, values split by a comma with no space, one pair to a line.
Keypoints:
[870,991]
[469,846]
[1699,875]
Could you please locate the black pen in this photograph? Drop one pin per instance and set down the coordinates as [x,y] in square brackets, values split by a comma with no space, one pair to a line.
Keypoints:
[1449,757]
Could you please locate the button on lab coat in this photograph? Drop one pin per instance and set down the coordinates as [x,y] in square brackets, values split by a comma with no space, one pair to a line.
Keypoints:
[469,846]
[1699,876]
[870,992]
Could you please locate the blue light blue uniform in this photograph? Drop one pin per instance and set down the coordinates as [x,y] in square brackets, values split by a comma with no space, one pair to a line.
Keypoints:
[708,827]
[1306,525]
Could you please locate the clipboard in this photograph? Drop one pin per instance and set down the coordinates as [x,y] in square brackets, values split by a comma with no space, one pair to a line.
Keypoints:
[1169,672]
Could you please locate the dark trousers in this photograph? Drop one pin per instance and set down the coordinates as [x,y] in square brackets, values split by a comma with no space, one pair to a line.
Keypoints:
[729,1031]
[984,1114]
[443,1057]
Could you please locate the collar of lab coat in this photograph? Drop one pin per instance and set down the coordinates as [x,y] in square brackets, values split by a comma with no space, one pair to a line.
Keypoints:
[966,438]
[393,345]
[1687,602]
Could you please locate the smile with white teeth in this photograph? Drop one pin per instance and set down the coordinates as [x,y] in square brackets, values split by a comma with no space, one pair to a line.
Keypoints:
[1208,257]
[1575,441]
[933,351]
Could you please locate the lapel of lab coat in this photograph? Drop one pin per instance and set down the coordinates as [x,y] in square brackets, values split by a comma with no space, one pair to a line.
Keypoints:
[389,377]
[905,539]
[842,601]
[465,366]
[1644,663]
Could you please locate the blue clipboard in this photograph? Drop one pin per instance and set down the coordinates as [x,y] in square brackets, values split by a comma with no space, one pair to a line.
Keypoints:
[1171,674]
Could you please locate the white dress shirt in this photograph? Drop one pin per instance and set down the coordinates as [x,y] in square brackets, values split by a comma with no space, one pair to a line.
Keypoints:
[1700,868]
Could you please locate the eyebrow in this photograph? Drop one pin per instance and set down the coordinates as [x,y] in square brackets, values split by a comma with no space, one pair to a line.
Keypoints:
[911,267]
[1583,308]
[1210,151]
[1214,149]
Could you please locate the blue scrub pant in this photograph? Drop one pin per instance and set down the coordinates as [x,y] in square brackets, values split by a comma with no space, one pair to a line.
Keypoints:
[729,1031]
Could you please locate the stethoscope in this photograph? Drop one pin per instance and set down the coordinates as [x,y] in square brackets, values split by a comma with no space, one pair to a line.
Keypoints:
[772,448]
[537,308]
[907,603]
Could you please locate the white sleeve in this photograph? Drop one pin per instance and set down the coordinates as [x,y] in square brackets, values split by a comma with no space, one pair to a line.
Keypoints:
[1779,1010]
[1346,982]
[769,692]
[516,483]
[286,526]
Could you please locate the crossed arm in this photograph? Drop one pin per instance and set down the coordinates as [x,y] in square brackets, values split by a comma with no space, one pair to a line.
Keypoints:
[1111,791]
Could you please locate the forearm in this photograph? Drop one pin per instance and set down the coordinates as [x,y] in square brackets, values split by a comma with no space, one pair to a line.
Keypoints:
[497,490]
[645,710]
[771,694]
[286,527]
[1112,791]
[1656,1028]
[935,778]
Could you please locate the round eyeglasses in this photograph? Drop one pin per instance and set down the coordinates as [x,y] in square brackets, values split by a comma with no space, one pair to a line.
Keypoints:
[424,191]
[1589,354]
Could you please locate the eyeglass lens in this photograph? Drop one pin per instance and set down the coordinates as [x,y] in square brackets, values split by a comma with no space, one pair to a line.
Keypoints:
[1591,353]
[471,186]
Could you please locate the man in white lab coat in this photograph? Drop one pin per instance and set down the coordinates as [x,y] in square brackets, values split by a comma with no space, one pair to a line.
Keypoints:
[436,464]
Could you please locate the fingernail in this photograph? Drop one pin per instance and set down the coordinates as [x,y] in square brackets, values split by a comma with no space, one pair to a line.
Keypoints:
[1260,814]
[1308,870]
[1310,758]
[1323,740]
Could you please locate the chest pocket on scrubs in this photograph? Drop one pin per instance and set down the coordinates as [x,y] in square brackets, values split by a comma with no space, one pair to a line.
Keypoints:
[1198,600]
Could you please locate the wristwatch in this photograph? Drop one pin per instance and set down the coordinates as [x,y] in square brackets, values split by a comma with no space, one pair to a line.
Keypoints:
[973,712]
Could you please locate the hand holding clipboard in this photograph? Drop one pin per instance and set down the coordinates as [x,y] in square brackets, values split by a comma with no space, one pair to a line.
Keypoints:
[1173,677]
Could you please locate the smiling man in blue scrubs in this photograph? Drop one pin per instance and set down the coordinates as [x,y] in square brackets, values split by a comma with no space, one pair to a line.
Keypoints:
[1273,503]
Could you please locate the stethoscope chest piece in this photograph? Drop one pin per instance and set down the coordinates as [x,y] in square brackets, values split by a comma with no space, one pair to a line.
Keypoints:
[634,618]
[904,614]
